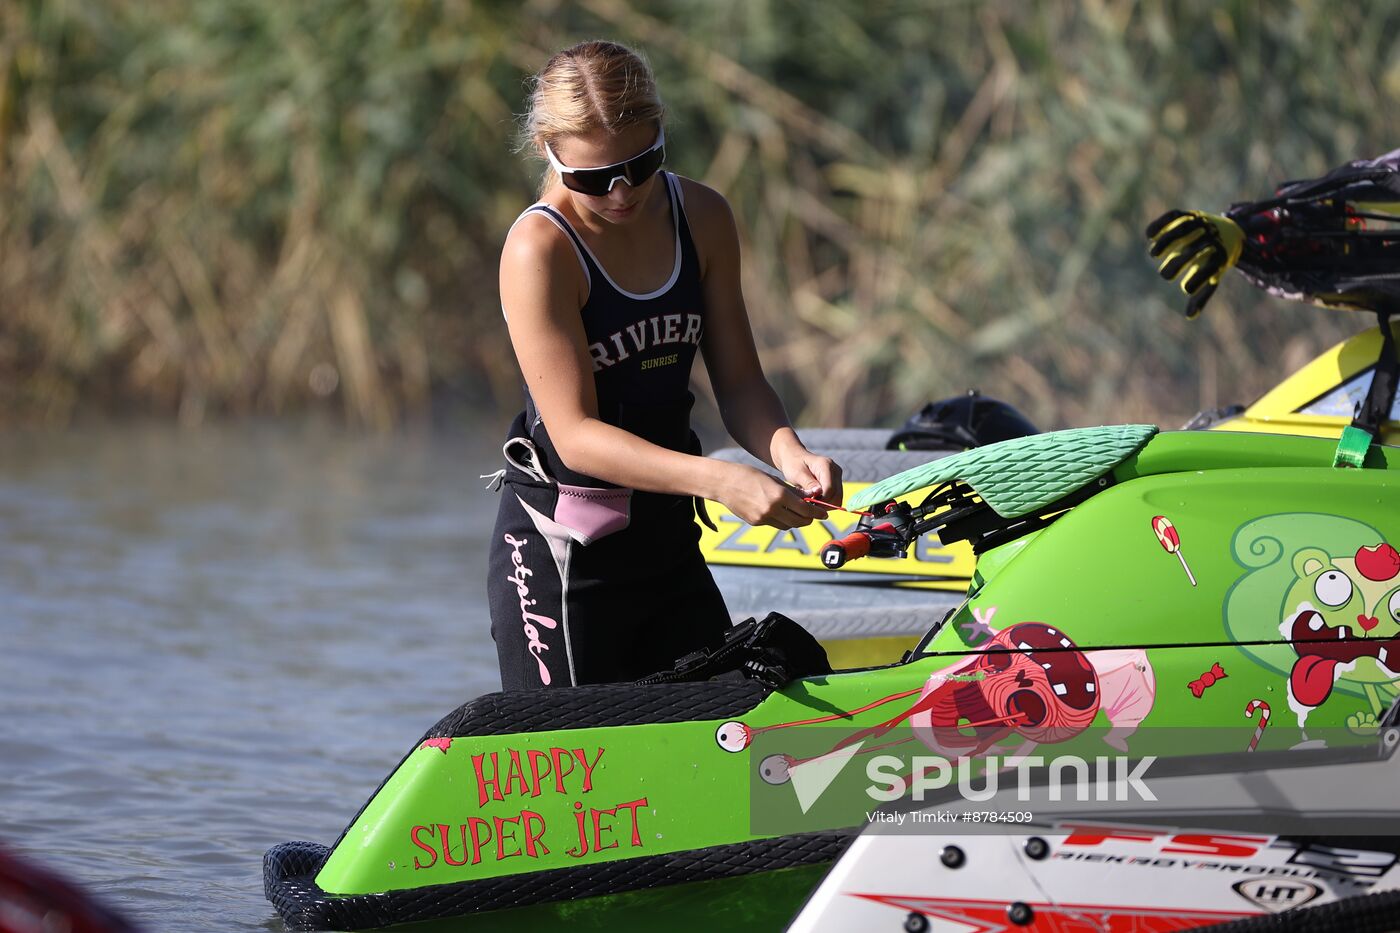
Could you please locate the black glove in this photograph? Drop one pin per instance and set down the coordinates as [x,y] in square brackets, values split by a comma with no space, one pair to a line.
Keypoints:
[1199,248]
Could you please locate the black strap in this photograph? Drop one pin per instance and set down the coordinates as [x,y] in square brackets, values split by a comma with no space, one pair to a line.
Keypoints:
[1384,177]
[703,513]
[1374,410]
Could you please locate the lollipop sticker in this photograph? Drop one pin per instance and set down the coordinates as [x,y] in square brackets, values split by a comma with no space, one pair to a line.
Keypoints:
[1171,542]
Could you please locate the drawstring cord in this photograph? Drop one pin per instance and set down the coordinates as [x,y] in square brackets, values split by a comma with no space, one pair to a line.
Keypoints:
[528,460]
[522,454]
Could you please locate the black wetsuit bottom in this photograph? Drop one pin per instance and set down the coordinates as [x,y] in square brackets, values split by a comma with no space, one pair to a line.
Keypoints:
[626,604]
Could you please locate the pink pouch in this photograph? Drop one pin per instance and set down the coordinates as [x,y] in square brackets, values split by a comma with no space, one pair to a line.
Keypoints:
[593,513]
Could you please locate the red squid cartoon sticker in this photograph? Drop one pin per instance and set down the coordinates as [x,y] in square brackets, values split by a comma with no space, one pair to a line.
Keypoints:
[1030,684]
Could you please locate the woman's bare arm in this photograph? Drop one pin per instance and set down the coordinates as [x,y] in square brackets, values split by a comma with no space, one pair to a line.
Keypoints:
[751,410]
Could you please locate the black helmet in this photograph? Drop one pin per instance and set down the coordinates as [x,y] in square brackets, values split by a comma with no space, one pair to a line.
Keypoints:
[957,423]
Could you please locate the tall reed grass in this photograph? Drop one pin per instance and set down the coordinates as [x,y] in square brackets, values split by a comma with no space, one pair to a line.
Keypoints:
[212,206]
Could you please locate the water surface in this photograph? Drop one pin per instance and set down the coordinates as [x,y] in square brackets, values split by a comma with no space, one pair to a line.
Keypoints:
[214,641]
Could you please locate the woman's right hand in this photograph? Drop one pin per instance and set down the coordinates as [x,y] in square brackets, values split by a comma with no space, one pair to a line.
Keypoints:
[759,499]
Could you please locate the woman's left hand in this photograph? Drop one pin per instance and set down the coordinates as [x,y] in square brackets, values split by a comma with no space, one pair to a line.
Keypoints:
[815,475]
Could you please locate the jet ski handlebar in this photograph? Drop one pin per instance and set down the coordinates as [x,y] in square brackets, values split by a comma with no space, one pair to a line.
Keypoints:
[953,510]
[887,531]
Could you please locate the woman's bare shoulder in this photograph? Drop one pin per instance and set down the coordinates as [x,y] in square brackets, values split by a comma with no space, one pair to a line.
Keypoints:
[704,205]
[538,257]
[711,219]
[535,236]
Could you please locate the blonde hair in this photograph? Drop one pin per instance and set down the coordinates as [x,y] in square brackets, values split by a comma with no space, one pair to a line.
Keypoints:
[589,86]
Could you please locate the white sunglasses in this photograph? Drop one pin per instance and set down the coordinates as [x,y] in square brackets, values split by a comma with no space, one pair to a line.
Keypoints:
[598,182]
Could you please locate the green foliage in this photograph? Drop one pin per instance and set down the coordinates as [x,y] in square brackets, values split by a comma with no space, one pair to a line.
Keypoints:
[246,205]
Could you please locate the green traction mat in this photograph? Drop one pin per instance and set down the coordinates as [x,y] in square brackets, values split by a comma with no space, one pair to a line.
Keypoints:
[1018,476]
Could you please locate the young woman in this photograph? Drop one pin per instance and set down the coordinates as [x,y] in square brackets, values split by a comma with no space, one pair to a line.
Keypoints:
[610,284]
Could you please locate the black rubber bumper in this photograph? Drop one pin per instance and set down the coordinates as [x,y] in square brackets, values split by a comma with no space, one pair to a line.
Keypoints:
[289,873]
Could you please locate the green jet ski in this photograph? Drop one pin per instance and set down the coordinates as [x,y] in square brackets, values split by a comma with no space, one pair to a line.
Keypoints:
[1125,577]
[1137,595]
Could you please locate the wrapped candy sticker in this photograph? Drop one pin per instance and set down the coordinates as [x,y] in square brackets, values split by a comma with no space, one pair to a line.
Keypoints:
[1207,680]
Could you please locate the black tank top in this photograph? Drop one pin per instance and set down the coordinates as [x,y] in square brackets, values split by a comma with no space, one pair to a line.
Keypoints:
[642,345]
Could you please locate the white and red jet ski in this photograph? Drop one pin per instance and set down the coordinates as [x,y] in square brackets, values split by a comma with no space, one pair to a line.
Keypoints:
[1303,840]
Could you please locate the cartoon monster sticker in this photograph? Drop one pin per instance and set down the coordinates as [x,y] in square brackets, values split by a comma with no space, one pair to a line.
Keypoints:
[1331,587]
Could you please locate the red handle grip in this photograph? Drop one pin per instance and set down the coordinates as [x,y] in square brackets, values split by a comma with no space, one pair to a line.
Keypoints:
[842,550]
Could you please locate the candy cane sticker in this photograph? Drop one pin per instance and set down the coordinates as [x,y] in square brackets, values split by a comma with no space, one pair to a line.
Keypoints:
[1263,709]
[1171,542]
